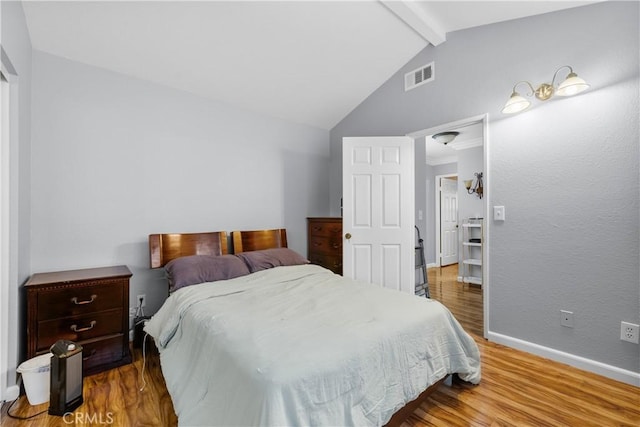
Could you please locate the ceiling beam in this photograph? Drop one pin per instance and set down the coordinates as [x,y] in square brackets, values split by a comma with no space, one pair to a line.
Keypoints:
[418,19]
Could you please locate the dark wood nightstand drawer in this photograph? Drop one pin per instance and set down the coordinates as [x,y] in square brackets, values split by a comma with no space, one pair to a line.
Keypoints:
[79,328]
[102,352]
[78,300]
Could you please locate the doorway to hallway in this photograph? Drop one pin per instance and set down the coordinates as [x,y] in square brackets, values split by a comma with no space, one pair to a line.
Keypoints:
[461,158]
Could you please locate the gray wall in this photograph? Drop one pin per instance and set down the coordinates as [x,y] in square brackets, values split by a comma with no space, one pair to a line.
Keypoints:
[16,52]
[566,170]
[115,159]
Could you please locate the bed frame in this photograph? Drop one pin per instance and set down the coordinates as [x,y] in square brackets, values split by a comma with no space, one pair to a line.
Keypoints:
[165,247]
[405,412]
[246,241]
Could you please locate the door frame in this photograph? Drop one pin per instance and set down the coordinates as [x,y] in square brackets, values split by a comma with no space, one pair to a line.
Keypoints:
[484,119]
[438,225]
[9,307]
[4,231]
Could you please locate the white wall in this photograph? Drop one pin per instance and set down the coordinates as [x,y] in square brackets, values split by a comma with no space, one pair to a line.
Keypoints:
[566,170]
[16,53]
[115,159]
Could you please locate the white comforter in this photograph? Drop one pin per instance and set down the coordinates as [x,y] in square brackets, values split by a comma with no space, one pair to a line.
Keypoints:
[300,346]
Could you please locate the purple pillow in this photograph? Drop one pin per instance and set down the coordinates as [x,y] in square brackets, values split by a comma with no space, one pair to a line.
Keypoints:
[269,258]
[194,269]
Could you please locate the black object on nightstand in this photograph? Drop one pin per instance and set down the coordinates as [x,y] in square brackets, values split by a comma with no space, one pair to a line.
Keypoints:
[66,377]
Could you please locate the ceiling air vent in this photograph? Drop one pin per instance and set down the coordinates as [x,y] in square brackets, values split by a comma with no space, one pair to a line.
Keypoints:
[418,77]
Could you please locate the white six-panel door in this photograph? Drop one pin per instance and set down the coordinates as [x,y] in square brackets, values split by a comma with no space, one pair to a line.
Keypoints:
[448,221]
[378,211]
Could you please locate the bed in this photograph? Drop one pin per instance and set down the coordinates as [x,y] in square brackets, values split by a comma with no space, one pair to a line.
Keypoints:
[287,343]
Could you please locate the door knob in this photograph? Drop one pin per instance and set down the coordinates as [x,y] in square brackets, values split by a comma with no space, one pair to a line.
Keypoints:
[347,236]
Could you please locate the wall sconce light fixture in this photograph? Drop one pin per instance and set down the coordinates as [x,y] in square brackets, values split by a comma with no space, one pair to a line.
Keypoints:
[445,137]
[477,188]
[572,85]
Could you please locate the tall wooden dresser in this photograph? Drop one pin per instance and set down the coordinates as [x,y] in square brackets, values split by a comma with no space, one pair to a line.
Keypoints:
[89,306]
[324,237]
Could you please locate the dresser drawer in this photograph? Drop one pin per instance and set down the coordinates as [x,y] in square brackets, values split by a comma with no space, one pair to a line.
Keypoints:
[101,352]
[324,242]
[79,328]
[331,262]
[78,300]
[326,229]
[326,245]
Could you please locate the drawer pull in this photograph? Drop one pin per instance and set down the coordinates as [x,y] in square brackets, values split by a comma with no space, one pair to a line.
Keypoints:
[74,328]
[93,352]
[87,301]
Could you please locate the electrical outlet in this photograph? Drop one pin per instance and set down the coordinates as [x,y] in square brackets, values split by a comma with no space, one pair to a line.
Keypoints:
[132,311]
[142,297]
[566,318]
[11,393]
[629,332]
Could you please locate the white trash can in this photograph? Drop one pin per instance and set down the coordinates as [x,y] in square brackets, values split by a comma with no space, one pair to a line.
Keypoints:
[36,374]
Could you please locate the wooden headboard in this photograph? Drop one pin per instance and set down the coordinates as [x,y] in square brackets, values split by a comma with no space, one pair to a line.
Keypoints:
[246,241]
[165,247]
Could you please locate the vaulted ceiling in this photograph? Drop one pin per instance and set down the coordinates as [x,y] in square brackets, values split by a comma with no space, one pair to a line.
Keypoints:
[308,62]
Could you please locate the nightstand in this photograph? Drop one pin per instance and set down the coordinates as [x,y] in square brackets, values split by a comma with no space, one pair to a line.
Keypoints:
[89,306]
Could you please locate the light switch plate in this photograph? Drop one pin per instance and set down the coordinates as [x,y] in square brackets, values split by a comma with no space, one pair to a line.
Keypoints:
[498,213]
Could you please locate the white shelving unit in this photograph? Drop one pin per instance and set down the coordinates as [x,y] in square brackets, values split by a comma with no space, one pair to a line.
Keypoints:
[472,241]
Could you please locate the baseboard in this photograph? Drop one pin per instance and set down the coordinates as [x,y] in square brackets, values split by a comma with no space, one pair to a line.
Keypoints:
[613,372]
[432,265]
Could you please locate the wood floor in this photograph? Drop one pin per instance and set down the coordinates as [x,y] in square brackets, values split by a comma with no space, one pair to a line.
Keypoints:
[464,300]
[517,389]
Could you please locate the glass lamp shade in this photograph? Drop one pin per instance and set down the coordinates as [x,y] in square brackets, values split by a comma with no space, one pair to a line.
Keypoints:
[515,104]
[572,86]
[445,137]
[468,183]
